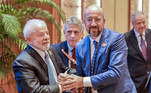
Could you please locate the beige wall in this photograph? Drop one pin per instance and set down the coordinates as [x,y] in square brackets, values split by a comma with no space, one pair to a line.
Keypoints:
[115,11]
[116,14]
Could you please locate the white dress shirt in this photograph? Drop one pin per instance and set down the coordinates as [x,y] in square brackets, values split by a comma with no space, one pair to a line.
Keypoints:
[139,38]
[87,80]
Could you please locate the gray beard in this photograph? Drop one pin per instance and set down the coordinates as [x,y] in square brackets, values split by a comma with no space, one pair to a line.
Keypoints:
[95,35]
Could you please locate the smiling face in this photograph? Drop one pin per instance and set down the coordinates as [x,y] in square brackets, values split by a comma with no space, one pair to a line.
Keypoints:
[39,38]
[94,21]
[139,23]
[73,34]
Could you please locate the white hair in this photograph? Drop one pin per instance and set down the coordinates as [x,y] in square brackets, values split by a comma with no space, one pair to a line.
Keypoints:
[31,25]
[137,13]
[73,20]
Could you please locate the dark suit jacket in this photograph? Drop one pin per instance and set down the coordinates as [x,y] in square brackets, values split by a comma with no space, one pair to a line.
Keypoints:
[137,65]
[111,73]
[31,72]
[58,47]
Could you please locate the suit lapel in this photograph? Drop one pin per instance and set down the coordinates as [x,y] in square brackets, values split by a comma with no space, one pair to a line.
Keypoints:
[36,56]
[52,57]
[87,54]
[65,47]
[134,43]
[101,47]
[148,40]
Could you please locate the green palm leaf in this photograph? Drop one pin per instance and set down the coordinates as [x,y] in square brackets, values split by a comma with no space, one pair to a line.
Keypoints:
[13,15]
[44,2]
[11,25]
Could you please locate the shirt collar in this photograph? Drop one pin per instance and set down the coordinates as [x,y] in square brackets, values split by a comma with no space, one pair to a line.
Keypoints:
[97,39]
[137,34]
[69,47]
[41,53]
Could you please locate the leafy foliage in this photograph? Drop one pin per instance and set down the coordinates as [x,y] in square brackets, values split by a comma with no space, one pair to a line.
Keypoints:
[13,15]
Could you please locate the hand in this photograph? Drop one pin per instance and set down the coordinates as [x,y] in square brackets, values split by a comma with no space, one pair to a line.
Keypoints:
[81,90]
[70,81]
[74,90]
[63,77]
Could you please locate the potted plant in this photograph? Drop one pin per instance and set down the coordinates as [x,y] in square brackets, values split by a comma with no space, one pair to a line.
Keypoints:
[13,15]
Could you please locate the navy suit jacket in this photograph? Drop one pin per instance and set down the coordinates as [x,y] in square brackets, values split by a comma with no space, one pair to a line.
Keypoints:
[31,71]
[58,47]
[111,74]
[137,65]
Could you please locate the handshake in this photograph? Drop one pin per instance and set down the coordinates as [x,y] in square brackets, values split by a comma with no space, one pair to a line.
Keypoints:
[68,82]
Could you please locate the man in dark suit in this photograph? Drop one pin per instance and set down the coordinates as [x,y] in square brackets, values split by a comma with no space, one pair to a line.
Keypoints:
[139,58]
[30,67]
[73,32]
[101,58]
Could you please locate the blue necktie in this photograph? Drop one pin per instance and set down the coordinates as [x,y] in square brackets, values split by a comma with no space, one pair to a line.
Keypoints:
[94,57]
[143,47]
[51,72]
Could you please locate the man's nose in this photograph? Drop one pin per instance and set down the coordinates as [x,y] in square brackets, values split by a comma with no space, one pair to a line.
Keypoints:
[142,25]
[46,36]
[72,34]
[93,23]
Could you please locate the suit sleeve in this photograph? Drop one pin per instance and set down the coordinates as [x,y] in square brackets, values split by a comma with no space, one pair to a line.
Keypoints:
[27,79]
[115,58]
[31,77]
[79,69]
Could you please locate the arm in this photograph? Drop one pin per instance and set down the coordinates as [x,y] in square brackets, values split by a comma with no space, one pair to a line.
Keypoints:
[115,60]
[32,78]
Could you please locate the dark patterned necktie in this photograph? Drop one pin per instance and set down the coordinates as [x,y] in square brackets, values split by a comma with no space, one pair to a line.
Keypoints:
[94,57]
[73,65]
[51,72]
[143,47]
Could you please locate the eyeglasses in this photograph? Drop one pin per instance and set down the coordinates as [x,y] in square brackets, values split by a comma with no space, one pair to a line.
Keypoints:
[96,20]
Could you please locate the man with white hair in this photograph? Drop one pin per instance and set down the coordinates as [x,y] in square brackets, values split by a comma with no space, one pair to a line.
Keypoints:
[73,32]
[30,67]
[138,41]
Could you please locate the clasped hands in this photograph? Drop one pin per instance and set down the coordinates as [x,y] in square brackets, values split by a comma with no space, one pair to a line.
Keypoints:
[68,82]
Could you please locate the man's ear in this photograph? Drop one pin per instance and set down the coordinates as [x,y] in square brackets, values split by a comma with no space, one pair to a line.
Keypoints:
[104,20]
[64,31]
[28,39]
[82,34]
[133,23]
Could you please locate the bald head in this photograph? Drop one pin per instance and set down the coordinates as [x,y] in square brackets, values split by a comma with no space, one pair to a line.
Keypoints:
[93,8]
[94,20]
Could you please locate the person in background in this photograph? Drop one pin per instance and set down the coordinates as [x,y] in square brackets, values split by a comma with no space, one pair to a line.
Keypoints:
[139,52]
[31,66]
[73,32]
[101,58]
